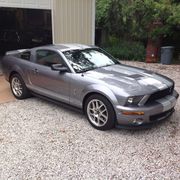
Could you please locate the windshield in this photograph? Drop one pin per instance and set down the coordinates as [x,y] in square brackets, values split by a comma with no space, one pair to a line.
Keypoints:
[88,59]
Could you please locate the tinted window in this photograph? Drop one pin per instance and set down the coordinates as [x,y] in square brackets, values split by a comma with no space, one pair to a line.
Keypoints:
[47,57]
[26,55]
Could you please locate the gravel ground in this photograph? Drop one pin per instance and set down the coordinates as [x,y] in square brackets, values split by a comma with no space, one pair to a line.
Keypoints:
[41,140]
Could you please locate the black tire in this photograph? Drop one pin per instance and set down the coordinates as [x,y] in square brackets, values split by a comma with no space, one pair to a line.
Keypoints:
[94,117]
[24,90]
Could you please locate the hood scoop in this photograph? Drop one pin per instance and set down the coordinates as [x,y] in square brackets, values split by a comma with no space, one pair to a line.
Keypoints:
[135,76]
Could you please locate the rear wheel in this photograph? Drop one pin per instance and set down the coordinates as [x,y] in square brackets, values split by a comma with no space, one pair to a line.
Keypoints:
[18,87]
[100,112]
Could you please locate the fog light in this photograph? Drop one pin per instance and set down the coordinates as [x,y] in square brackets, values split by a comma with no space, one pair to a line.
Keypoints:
[138,121]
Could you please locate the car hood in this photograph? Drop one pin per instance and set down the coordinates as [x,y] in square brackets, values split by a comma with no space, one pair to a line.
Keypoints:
[132,80]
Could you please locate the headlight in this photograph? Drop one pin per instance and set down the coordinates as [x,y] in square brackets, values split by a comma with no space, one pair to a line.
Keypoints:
[133,100]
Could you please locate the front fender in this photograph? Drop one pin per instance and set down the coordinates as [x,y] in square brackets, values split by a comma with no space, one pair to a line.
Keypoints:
[101,89]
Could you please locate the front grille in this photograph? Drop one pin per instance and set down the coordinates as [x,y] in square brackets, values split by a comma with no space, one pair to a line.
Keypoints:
[160,94]
[161,116]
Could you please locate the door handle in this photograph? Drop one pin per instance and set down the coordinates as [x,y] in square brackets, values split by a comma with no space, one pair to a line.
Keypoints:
[35,71]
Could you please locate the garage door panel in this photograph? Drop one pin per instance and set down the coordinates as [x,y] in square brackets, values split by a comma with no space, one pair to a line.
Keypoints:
[36,4]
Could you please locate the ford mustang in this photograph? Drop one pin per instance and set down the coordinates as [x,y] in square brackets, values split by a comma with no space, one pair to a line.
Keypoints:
[110,93]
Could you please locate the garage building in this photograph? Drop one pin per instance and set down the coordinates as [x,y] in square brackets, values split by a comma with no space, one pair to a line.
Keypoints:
[38,22]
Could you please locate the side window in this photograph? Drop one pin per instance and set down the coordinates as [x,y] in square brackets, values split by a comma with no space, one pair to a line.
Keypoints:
[26,55]
[47,58]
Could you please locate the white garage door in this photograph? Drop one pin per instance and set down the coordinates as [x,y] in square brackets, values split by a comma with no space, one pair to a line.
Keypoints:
[34,4]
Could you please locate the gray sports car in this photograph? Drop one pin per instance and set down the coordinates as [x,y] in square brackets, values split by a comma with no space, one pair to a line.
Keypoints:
[110,93]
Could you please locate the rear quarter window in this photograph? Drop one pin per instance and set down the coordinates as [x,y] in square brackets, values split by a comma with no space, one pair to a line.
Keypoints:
[25,55]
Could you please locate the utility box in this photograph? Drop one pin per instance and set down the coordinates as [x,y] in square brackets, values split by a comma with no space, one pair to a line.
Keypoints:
[152,51]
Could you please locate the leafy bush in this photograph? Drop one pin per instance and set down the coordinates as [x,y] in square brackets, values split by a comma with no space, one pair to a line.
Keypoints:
[138,18]
[124,50]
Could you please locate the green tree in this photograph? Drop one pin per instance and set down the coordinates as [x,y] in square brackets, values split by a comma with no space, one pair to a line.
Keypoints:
[138,19]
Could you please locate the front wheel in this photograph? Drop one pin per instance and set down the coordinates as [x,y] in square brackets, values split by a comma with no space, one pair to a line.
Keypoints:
[100,112]
[18,87]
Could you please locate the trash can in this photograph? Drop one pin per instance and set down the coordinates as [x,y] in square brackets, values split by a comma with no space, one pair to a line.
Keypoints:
[166,54]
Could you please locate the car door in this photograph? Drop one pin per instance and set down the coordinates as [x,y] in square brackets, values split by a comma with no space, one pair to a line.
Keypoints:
[46,81]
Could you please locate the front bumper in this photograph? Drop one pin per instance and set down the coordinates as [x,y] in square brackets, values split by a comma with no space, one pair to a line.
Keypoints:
[155,112]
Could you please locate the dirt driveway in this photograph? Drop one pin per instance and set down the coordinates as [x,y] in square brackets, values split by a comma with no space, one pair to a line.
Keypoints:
[5,92]
[40,140]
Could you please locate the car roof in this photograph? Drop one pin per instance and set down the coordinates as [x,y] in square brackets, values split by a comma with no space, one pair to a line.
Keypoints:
[66,47]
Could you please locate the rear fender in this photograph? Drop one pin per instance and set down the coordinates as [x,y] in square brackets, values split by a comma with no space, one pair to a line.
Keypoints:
[17,69]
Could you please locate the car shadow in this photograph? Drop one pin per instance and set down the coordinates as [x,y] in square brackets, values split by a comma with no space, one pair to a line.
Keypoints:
[170,122]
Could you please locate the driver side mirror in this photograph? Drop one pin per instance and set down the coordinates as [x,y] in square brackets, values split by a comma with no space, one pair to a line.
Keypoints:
[59,67]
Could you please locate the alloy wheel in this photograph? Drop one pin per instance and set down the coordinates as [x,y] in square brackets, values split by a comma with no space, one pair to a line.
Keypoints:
[97,112]
[17,87]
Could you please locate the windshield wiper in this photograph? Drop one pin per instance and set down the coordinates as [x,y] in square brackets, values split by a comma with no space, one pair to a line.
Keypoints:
[106,65]
[92,68]
[87,69]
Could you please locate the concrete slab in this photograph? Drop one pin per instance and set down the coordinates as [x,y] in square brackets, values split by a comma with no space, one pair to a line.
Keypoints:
[5,92]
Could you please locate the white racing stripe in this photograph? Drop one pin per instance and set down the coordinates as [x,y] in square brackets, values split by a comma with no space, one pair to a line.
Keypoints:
[168,102]
[154,82]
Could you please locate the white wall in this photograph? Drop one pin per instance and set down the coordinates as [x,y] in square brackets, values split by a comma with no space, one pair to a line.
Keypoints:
[74,21]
